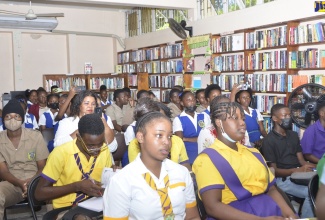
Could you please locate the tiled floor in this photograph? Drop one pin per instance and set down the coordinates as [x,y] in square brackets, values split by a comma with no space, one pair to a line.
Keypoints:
[24,213]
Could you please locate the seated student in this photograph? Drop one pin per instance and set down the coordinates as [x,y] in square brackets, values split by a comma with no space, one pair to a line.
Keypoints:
[65,105]
[253,118]
[55,90]
[211,91]
[83,104]
[73,170]
[39,108]
[233,180]
[104,102]
[282,148]
[152,186]
[116,110]
[47,118]
[208,134]
[188,124]
[200,98]
[143,94]
[31,96]
[29,120]
[153,96]
[313,140]
[22,156]
[175,103]
[320,199]
[177,152]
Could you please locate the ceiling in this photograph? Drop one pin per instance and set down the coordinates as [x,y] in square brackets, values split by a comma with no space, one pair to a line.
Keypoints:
[114,4]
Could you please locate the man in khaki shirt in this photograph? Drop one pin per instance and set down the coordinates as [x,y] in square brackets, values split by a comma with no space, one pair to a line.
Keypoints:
[118,110]
[23,154]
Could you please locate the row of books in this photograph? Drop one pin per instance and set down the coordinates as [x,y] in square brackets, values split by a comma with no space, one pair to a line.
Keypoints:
[110,83]
[162,95]
[267,60]
[266,38]
[154,81]
[169,66]
[307,33]
[227,81]
[310,58]
[227,43]
[171,51]
[297,80]
[266,82]
[228,63]
[264,103]
[171,81]
[64,83]
[154,53]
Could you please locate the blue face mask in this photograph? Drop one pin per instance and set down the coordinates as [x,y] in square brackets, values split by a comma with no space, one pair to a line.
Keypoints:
[225,135]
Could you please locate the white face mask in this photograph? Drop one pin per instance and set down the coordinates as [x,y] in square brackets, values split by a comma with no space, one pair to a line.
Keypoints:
[12,124]
[224,134]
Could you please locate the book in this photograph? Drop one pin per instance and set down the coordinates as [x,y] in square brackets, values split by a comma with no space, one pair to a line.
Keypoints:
[94,204]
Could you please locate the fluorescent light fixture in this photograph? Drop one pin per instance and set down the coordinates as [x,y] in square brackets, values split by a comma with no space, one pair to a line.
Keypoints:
[19,22]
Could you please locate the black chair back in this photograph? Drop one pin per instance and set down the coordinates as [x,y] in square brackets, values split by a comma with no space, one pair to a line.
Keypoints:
[48,135]
[121,149]
[31,196]
[313,189]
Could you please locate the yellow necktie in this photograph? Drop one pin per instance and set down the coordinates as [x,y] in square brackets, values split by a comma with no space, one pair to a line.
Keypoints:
[166,205]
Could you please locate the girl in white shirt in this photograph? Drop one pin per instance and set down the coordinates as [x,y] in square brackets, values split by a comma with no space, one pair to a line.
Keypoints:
[151,187]
[82,104]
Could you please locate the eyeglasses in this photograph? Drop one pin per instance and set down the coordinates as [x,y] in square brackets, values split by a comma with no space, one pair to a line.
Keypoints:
[90,150]
[10,116]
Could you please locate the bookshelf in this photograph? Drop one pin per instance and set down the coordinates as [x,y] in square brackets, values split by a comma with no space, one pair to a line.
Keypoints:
[273,59]
[90,81]
[157,68]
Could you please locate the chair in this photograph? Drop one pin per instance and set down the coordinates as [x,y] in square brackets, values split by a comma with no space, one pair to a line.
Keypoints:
[33,203]
[16,206]
[121,149]
[298,200]
[313,189]
[48,135]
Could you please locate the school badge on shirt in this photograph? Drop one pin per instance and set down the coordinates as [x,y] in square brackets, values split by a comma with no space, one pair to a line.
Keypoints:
[31,155]
[201,123]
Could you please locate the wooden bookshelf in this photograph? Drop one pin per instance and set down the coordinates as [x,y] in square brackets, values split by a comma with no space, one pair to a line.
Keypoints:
[90,81]
[157,68]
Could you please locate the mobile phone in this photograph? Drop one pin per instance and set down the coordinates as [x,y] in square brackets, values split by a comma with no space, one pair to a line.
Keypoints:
[98,110]
[80,88]
[243,87]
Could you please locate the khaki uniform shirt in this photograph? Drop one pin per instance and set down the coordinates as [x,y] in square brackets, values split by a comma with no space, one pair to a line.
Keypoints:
[200,109]
[175,110]
[128,112]
[21,162]
[121,116]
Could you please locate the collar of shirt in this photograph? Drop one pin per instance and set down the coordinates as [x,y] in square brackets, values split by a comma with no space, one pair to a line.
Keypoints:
[193,120]
[23,136]
[279,135]
[142,169]
[222,146]
[250,111]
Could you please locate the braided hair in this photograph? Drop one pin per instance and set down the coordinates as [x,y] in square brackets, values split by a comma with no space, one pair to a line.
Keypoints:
[222,109]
